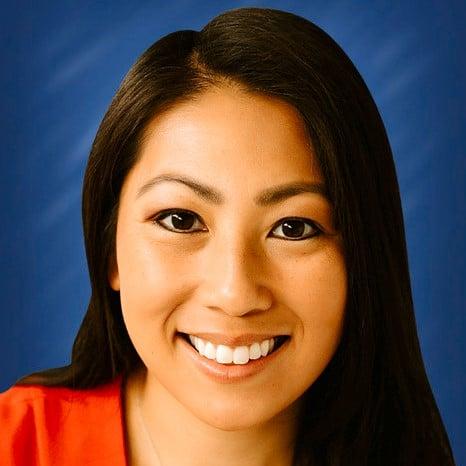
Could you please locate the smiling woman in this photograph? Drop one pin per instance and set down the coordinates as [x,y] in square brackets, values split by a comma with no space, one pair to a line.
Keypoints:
[236,264]
[250,302]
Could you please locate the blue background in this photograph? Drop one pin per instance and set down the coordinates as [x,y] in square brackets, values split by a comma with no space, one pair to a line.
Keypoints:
[62,62]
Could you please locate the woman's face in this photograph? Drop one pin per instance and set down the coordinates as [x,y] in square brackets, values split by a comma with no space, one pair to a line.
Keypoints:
[246,245]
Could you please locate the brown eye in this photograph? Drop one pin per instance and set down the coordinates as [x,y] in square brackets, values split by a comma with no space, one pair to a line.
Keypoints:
[182,220]
[294,228]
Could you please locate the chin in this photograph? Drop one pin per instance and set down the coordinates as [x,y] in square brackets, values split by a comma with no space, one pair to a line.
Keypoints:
[234,417]
[234,423]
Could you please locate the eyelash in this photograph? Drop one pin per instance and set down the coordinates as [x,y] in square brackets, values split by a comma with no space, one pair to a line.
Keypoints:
[166,213]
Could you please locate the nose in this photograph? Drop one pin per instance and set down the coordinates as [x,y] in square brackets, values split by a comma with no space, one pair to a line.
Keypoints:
[234,278]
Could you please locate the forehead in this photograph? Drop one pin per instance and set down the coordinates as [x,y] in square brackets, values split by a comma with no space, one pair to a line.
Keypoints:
[229,134]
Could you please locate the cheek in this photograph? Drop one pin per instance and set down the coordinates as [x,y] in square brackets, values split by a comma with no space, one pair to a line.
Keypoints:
[151,288]
[318,297]
[147,269]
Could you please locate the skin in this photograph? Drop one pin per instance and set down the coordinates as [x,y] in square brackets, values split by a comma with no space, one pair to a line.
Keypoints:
[242,272]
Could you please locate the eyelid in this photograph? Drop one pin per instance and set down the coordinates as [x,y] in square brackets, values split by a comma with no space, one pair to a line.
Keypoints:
[307,221]
[166,213]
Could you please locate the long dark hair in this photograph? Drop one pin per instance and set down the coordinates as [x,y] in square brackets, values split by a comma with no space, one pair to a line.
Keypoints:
[373,404]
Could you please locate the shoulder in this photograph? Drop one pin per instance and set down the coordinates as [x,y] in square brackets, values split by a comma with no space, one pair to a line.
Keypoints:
[38,401]
[45,425]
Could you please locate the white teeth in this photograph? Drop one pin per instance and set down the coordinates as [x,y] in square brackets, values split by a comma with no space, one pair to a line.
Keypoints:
[241,355]
[265,347]
[210,350]
[224,354]
[200,346]
[255,351]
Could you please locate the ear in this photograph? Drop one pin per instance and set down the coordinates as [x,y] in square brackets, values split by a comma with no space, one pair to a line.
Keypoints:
[113,275]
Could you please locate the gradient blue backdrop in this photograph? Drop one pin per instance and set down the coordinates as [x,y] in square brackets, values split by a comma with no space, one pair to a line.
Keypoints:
[62,62]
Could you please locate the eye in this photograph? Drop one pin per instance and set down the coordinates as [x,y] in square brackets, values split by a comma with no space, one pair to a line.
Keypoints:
[182,221]
[295,227]
[179,221]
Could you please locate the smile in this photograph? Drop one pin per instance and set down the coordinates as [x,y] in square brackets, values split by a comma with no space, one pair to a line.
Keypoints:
[225,354]
[234,372]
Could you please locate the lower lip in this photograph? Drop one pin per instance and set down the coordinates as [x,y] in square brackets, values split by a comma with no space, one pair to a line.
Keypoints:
[230,373]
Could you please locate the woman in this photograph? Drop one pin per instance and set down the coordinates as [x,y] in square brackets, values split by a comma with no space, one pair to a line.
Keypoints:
[251,299]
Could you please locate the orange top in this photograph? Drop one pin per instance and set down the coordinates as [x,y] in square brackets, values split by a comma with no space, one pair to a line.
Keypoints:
[45,426]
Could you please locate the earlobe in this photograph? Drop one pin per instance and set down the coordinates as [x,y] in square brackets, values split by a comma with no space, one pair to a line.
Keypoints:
[113,275]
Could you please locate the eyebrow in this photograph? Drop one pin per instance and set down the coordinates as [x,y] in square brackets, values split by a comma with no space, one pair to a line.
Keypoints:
[268,197]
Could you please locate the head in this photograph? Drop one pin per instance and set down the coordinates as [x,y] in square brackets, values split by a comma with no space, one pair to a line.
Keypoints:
[259,256]
[300,92]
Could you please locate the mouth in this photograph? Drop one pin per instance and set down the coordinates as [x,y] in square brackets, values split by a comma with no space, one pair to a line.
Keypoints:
[279,341]
[227,371]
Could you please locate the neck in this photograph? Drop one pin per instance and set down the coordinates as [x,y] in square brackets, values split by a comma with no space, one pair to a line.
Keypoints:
[178,437]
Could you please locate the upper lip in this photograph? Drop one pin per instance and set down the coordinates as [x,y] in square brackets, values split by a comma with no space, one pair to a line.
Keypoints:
[244,339]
